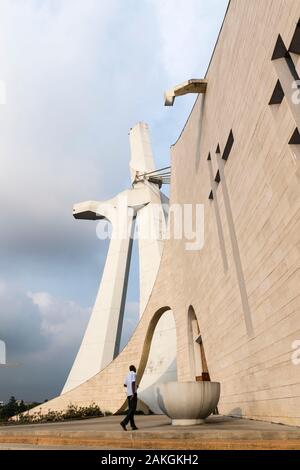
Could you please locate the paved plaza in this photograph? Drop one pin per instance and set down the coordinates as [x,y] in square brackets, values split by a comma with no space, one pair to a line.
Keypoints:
[155,432]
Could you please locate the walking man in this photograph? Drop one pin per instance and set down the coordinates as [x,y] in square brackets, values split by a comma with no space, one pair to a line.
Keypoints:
[131,386]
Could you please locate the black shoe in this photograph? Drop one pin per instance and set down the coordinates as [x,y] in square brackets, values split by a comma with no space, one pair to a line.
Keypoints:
[134,428]
[123,426]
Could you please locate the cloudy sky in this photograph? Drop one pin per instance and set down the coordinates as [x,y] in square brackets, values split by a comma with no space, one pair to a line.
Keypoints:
[78,74]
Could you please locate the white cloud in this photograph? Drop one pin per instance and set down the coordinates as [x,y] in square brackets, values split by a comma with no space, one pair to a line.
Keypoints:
[63,320]
[35,322]
[50,57]
[42,334]
[188,33]
[78,74]
[21,323]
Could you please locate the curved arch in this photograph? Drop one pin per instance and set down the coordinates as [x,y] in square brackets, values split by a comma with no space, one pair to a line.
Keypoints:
[148,381]
[148,340]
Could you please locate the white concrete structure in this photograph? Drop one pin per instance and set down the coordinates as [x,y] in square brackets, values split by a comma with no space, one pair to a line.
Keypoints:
[2,352]
[248,271]
[161,365]
[140,206]
[188,403]
[194,85]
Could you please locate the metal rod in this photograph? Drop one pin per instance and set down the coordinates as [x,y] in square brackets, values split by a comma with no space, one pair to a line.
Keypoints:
[155,171]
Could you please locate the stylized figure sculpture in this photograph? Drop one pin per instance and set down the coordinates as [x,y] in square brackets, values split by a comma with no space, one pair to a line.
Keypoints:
[144,205]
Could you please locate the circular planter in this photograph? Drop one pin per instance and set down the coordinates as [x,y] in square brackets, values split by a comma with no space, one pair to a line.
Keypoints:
[188,403]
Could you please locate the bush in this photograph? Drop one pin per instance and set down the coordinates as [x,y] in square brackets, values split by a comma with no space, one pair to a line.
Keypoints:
[14,407]
[71,413]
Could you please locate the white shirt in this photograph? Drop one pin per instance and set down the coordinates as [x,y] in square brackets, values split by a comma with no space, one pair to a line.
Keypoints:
[130,378]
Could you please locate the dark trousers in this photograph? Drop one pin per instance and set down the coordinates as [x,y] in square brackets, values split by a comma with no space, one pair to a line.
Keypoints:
[132,402]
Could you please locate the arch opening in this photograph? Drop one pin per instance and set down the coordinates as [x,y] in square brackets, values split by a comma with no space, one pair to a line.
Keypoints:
[158,363]
[198,362]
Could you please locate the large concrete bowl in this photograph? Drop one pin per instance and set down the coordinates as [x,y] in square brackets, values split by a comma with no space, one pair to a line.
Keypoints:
[188,403]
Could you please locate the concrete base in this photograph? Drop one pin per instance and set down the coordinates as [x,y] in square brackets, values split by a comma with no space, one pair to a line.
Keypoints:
[187,422]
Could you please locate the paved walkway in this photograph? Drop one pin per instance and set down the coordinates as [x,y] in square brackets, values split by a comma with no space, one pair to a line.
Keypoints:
[155,432]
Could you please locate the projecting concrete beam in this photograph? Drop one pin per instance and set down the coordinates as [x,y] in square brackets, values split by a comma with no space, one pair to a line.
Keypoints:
[194,85]
[88,210]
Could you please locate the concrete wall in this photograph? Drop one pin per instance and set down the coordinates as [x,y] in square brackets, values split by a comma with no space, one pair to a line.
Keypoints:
[261,229]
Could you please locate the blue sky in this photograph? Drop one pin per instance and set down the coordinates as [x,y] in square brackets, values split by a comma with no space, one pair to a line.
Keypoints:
[79,74]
